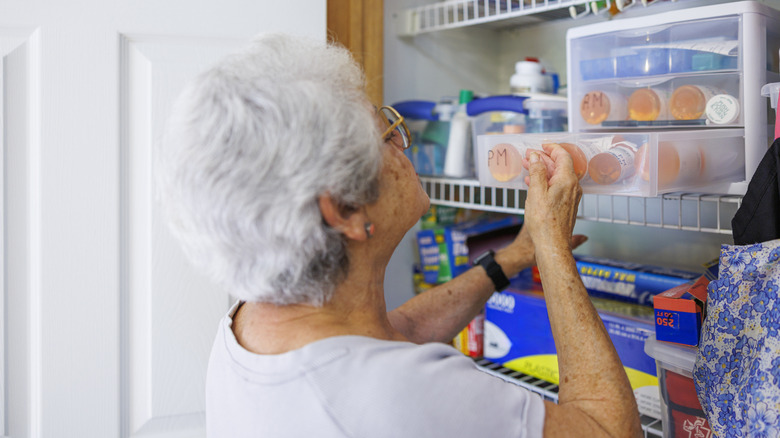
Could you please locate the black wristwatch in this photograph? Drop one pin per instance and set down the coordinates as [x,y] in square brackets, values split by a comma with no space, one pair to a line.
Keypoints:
[493,270]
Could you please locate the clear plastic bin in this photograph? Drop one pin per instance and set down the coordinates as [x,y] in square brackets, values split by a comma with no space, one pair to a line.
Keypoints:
[495,115]
[429,125]
[633,164]
[695,68]
[698,46]
[666,102]
[682,66]
[681,412]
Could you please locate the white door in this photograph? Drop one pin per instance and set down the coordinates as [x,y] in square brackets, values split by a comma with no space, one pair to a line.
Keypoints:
[105,329]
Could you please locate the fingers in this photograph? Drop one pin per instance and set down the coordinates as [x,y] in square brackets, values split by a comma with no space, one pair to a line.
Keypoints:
[559,156]
[537,170]
[548,162]
[577,240]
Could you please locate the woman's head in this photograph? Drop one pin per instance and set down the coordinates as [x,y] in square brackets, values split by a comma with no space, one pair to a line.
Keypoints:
[250,146]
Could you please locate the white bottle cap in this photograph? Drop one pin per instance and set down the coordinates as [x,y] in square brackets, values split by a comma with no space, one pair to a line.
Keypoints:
[722,109]
[528,67]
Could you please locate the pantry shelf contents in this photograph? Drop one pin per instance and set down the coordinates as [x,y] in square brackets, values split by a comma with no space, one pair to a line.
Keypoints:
[681,211]
[651,427]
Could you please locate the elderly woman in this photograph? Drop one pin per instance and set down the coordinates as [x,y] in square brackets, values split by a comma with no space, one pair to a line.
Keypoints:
[291,191]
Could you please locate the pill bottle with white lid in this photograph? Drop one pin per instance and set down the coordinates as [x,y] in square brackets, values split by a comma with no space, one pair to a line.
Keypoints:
[528,77]
[688,102]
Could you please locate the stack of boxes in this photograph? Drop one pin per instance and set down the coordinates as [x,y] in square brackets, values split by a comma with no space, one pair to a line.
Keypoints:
[518,335]
[447,245]
[679,315]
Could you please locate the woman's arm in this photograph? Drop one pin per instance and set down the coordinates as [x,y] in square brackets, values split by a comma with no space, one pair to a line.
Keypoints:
[440,313]
[595,397]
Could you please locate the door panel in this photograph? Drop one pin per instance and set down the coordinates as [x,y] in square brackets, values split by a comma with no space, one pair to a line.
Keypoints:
[171,312]
[20,117]
[106,329]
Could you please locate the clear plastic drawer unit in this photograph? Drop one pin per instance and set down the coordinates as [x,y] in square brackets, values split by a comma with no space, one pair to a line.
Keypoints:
[663,76]
[633,164]
[698,69]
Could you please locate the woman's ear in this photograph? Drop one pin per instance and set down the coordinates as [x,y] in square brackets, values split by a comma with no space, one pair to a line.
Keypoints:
[351,223]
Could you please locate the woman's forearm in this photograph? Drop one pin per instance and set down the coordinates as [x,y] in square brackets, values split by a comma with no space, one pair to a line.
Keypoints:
[440,313]
[593,383]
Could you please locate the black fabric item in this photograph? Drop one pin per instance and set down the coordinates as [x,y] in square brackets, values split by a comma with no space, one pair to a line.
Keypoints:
[758,218]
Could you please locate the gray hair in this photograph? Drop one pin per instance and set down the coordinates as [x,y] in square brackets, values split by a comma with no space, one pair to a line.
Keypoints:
[250,146]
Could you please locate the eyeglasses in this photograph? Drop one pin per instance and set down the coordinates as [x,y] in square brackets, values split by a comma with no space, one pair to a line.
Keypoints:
[396,126]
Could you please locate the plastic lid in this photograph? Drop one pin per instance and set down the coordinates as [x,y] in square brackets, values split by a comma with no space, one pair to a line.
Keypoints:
[722,109]
[528,67]
[546,103]
[771,91]
[466,96]
[680,357]
[444,110]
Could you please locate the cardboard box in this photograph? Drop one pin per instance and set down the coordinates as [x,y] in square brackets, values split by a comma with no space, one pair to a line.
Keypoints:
[470,340]
[518,336]
[679,312]
[444,252]
[626,281]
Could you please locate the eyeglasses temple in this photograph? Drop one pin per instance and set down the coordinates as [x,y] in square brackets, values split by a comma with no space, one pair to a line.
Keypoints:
[393,126]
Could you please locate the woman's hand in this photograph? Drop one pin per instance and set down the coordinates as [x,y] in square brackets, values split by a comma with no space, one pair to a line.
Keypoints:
[554,194]
[544,207]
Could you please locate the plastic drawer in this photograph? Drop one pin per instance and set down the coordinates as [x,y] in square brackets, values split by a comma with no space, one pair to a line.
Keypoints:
[632,164]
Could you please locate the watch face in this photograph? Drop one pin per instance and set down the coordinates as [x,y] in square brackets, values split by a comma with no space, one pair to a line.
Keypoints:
[485,255]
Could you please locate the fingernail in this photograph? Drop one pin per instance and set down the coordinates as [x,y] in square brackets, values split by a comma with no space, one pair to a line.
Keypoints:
[534,157]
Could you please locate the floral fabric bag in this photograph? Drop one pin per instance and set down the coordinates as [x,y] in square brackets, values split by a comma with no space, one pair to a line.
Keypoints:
[737,371]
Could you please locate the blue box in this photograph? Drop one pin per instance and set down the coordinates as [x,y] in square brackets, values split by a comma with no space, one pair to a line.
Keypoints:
[626,281]
[443,254]
[517,335]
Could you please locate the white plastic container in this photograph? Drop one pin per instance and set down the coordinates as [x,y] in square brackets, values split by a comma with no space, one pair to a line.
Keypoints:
[457,162]
[546,113]
[528,78]
[771,91]
[681,413]
[663,162]
[729,50]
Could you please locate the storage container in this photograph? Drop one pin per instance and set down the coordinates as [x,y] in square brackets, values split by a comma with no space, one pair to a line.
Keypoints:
[429,125]
[682,415]
[494,115]
[628,163]
[699,68]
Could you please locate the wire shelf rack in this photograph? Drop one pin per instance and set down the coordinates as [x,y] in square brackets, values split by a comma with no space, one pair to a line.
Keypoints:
[452,14]
[462,13]
[680,211]
[652,427]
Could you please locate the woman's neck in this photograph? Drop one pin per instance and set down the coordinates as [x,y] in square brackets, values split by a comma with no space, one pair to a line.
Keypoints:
[356,308]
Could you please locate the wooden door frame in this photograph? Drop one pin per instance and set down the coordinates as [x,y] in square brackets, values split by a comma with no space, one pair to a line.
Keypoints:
[359,26]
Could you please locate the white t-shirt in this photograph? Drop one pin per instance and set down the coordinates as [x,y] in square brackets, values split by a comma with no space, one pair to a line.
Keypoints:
[361,387]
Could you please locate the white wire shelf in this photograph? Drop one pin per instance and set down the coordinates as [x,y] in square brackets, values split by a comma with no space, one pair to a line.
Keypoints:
[680,211]
[651,427]
[453,14]
[442,15]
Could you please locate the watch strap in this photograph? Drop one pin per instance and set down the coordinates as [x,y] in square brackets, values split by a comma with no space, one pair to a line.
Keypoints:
[493,269]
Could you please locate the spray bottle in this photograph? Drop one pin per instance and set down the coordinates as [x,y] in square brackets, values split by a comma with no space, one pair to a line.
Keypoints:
[457,162]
